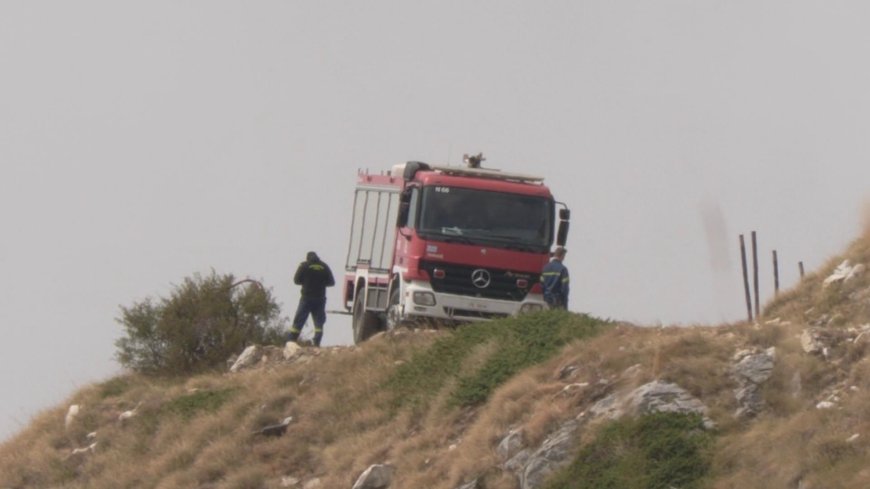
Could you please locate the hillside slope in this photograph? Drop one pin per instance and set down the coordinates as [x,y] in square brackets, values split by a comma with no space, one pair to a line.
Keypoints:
[554,400]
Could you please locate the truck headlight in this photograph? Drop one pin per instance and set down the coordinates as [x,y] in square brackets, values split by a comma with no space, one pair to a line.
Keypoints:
[531,307]
[424,298]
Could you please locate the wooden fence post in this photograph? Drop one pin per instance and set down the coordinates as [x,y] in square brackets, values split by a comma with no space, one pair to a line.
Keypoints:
[745,279]
[755,273]
[801,268]
[775,275]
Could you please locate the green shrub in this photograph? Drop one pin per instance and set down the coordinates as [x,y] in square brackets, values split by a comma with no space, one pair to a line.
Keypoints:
[657,451]
[518,343]
[202,323]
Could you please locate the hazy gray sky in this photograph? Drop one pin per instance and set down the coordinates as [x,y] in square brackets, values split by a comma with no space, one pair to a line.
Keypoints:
[143,142]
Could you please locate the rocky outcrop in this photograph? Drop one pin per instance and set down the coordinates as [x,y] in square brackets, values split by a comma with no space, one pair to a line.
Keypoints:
[533,466]
[553,454]
[258,356]
[751,369]
[656,396]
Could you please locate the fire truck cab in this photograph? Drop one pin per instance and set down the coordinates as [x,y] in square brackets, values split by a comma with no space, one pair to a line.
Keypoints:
[447,243]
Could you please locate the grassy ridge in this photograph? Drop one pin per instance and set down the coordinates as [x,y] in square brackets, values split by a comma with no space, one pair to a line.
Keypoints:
[509,345]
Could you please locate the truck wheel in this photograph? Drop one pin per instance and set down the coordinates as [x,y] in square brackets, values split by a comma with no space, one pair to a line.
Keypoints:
[365,323]
[394,315]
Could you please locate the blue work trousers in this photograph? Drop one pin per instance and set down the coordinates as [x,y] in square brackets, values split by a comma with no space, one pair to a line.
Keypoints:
[316,307]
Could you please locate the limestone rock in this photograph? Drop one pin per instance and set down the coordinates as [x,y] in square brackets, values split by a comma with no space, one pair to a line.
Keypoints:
[377,476]
[84,451]
[249,357]
[844,272]
[752,369]
[291,350]
[312,484]
[289,481]
[71,415]
[554,454]
[656,396]
[510,444]
[275,429]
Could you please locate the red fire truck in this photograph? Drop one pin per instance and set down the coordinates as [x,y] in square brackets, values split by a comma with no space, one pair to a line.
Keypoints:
[447,243]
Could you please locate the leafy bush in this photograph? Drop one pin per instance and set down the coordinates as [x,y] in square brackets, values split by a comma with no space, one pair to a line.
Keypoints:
[202,323]
[518,343]
[657,451]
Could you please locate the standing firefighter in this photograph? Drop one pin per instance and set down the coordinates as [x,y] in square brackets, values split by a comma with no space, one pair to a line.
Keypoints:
[314,276]
[555,280]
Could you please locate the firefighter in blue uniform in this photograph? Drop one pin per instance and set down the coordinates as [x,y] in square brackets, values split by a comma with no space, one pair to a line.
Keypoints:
[314,276]
[555,280]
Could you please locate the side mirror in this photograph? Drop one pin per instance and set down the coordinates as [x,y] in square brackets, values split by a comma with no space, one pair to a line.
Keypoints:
[562,234]
[565,214]
[402,219]
[404,207]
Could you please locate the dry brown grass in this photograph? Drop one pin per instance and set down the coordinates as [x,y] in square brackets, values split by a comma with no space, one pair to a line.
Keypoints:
[197,432]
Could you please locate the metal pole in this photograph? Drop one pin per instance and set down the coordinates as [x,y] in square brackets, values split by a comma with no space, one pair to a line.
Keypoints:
[801,268]
[755,273]
[775,274]
[745,279]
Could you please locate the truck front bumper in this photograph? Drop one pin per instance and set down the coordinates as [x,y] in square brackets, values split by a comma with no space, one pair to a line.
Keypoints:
[420,301]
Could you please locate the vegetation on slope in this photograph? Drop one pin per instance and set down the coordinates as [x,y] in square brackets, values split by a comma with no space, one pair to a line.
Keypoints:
[658,451]
[202,322]
[436,404]
[347,404]
[480,358]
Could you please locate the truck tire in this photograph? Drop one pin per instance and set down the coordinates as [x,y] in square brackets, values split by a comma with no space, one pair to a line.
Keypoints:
[393,317]
[365,323]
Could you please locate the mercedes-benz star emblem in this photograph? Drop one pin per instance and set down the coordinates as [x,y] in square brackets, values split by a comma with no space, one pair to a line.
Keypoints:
[480,278]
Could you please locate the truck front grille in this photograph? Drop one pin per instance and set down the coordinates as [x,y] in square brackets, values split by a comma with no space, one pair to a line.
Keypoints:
[459,280]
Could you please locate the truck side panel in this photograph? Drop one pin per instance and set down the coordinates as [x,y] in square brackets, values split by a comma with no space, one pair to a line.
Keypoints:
[373,228]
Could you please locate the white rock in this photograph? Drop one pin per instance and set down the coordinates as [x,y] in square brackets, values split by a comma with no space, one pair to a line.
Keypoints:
[289,481]
[129,414]
[852,438]
[291,349]
[810,342]
[377,476]
[844,272]
[71,415]
[825,405]
[840,273]
[312,484]
[249,357]
[856,271]
[88,449]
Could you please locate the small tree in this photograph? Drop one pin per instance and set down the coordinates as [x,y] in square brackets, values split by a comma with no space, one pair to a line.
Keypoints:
[202,323]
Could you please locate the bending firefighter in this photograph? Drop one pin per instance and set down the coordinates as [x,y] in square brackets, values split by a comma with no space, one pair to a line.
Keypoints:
[555,280]
[314,276]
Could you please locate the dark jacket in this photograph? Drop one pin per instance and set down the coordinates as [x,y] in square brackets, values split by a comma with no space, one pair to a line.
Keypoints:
[314,276]
[555,281]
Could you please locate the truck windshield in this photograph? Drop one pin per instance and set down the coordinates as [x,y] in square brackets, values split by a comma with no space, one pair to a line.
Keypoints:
[493,218]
